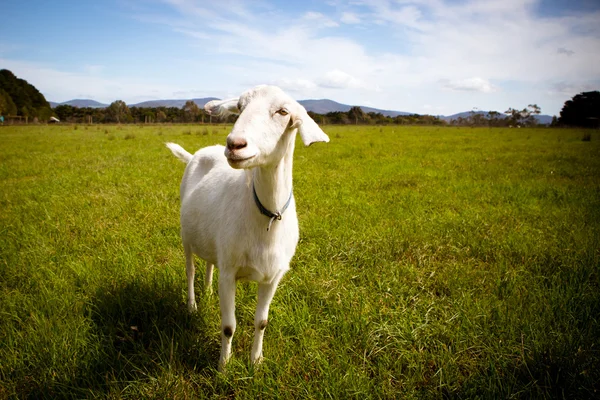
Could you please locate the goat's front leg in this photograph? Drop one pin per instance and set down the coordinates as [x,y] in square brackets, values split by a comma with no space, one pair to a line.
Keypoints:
[266,291]
[227,300]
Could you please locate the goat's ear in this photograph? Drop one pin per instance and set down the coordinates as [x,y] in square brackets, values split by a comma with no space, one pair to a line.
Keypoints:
[308,129]
[222,108]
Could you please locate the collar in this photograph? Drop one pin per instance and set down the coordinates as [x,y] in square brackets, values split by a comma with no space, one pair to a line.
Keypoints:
[264,211]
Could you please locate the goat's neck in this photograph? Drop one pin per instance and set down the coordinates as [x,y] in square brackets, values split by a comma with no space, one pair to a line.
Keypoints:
[273,183]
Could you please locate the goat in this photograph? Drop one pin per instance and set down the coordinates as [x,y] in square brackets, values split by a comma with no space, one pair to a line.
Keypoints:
[244,222]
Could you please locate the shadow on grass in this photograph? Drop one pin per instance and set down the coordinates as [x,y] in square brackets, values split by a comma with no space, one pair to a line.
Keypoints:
[151,319]
[141,330]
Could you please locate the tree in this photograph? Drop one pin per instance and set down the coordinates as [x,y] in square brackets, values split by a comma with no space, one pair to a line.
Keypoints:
[117,111]
[494,118]
[533,110]
[190,111]
[64,112]
[338,117]
[357,114]
[582,110]
[7,105]
[477,118]
[525,116]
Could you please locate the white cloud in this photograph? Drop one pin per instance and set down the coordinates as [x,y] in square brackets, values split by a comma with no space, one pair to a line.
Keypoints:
[296,85]
[499,7]
[316,17]
[469,84]
[193,33]
[337,79]
[350,18]
[384,12]
[93,69]
[570,89]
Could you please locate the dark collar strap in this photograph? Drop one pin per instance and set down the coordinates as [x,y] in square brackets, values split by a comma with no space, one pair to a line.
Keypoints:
[264,211]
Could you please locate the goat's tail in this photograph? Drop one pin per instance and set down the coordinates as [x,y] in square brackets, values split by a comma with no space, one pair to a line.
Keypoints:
[179,152]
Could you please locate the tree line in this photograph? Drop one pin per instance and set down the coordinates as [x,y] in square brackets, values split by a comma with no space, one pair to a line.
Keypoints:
[22,101]
[510,117]
[357,116]
[119,112]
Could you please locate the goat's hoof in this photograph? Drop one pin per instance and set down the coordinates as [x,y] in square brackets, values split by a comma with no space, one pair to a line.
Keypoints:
[192,307]
[258,360]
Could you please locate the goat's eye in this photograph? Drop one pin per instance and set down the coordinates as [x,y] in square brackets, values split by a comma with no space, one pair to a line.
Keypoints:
[282,111]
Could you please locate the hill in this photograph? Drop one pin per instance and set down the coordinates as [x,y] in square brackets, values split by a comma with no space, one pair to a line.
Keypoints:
[81,103]
[20,98]
[179,103]
[324,106]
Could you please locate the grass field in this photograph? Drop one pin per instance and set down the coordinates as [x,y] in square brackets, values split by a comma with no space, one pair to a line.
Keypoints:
[433,263]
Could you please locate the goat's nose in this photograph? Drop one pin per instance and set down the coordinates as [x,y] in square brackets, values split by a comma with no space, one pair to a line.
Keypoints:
[236,144]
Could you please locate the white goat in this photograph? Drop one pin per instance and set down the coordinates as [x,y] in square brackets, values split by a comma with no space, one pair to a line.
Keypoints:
[244,223]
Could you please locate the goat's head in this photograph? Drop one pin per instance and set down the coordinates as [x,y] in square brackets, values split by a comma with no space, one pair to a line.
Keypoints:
[268,121]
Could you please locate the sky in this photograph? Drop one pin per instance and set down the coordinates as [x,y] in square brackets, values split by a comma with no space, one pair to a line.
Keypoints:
[434,57]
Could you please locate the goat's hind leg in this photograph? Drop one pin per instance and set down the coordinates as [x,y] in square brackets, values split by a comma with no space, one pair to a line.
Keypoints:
[208,278]
[190,271]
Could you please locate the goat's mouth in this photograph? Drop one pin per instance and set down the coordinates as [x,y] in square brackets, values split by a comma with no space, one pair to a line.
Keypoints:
[238,160]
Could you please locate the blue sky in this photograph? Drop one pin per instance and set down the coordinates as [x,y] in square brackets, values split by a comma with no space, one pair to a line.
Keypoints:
[424,56]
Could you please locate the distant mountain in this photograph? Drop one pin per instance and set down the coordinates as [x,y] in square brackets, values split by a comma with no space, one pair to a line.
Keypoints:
[81,103]
[179,103]
[322,106]
[467,114]
[325,106]
[387,113]
[544,119]
[160,103]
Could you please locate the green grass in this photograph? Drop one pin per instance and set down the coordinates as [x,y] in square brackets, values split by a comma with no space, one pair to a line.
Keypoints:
[433,262]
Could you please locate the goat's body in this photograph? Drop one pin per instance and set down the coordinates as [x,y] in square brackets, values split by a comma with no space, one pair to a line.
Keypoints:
[229,233]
